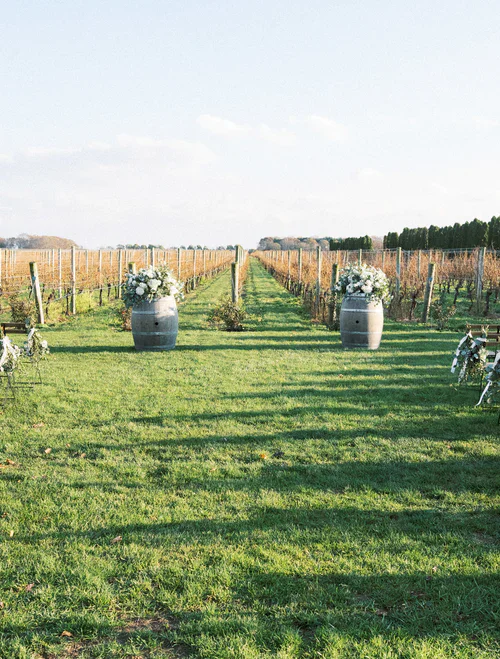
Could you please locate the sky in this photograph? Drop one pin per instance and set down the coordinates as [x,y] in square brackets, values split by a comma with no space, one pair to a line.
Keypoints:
[181,122]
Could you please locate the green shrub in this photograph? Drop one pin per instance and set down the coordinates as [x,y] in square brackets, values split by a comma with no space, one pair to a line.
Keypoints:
[227,316]
[22,309]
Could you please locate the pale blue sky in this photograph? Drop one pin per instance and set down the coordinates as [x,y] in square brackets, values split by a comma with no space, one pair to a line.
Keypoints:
[216,122]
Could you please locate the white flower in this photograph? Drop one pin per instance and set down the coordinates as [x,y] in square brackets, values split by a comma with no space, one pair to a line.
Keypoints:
[367,288]
[139,290]
[153,284]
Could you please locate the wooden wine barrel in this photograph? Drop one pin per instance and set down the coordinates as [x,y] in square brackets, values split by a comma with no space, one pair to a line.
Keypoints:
[155,325]
[361,322]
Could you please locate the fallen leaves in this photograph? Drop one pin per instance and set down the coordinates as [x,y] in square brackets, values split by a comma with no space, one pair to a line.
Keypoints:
[38,425]
[48,450]
[11,534]
[67,634]
[263,456]
[117,539]
[29,587]
[8,463]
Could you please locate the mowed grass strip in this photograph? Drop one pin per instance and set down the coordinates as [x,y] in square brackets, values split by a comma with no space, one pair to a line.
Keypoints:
[257,494]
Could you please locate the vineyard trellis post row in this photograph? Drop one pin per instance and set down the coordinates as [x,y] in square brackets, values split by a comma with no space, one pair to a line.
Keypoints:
[428,291]
[35,285]
[179,264]
[300,266]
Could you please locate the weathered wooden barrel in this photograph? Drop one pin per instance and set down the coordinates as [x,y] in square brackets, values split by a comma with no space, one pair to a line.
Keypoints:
[155,325]
[361,322]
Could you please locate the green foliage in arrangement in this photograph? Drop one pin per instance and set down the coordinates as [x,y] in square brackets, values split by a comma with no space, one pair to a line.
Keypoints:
[228,315]
[248,495]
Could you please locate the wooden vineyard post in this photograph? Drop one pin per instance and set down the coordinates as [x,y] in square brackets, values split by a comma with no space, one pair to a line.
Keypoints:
[318,280]
[35,283]
[120,268]
[153,257]
[479,277]
[398,272]
[332,311]
[419,263]
[86,261]
[179,264]
[204,252]
[428,292]
[360,258]
[100,277]
[73,281]
[59,271]
[300,267]
[289,275]
[234,282]
[194,268]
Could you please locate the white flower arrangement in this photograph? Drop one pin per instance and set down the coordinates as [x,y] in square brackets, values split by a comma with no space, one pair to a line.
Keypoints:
[364,280]
[9,355]
[150,284]
[35,347]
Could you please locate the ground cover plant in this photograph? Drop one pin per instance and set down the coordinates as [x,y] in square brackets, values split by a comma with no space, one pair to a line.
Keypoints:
[254,494]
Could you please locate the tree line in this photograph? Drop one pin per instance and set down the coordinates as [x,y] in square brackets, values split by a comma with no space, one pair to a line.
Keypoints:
[476,233]
[25,241]
[278,244]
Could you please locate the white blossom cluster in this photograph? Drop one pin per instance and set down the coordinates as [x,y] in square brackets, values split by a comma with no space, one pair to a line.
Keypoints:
[9,355]
[150,284]
[364,280]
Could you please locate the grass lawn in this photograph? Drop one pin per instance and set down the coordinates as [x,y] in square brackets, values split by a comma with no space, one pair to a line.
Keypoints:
[258,494]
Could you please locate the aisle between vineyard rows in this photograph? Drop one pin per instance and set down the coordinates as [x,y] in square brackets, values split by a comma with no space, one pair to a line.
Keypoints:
[250,494]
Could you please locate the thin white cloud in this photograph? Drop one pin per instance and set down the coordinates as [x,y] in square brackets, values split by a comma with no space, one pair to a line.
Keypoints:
[220,126]
[332,130]
[227,128]
[281,137]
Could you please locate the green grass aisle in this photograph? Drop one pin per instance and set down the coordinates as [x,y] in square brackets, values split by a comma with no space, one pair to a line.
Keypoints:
[259,494]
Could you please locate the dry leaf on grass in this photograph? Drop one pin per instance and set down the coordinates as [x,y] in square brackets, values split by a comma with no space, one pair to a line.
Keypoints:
[47,450]
[68,634]
[38,425]
[117,539]
[29,587]
[11,533]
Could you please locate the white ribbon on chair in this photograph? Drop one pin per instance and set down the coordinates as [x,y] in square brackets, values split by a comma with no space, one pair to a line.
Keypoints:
[485,390]
[457,351]
[7,350]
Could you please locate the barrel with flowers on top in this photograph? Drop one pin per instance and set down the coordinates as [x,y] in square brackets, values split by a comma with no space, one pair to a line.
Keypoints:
[153,294]
[362,313]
